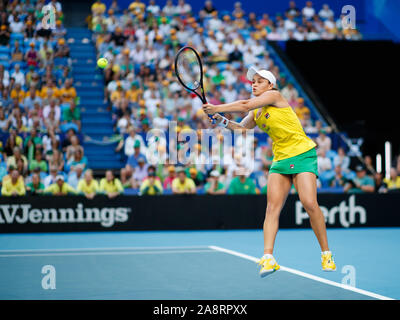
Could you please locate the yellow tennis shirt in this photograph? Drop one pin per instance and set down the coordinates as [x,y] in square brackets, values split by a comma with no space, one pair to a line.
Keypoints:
[285,130]
[112,186]
[188,184]
[83,187]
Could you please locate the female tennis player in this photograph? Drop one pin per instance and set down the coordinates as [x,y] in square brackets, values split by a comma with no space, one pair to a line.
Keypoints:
[295,160]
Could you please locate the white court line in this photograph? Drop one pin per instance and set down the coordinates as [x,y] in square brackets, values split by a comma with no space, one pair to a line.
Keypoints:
[305,275]
[102,249]
[98,253]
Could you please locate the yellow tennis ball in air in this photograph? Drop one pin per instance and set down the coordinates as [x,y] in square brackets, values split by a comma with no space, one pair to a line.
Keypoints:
[102,63]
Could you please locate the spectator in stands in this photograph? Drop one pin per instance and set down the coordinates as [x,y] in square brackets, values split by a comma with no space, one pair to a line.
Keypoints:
[72,147]
[51,177]
[12,160]
[46,54]
[4,36]
[153,8]
[324,162]
[78,159]
[3,119]
[140,173]
[361,183]
[72,114]
[54,107]
[380,184]
[238,9]
[13,140]
[18,75]
[167,184]
[60,187]
[98,8]
[38,162]
[118,38]
[151,185]
[300,108]
[241,183]
[168,10]
[196,176]
[13,185]
[88,186]
[393,182]
[67,140]
[57,5]
[56,159]
[32,56]
[369,167]
[137,7]
[29,31]
[182,184]
[339,180]
[5,77]
[183,8]
[326,12]
[110,185]
[129,143]
[268,157]
[30,99]
[59,32]
[136,155]
[32,143]
[51,121]
[207,10]
[292,11]
[263,181]
[290,93]
[35,187]
[214,186]
[17,26]
[16,54]
[324,142]
[17,93]
[342,160]
[62,49]
[68,92]
[308,11]
[75,176]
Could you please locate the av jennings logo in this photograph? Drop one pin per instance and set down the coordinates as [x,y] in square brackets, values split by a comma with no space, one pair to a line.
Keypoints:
[23,213]
[346,213]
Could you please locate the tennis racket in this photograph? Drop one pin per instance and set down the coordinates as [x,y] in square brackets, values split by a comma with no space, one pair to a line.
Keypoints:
[189,71]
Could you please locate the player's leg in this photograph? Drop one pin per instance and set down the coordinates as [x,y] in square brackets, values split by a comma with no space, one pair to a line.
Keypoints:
[278,188]
[306,186]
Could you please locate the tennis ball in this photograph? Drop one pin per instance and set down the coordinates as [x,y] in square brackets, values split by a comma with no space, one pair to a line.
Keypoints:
[102,63]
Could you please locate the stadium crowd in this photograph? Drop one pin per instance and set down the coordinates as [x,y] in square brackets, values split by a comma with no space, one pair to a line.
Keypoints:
[41,149]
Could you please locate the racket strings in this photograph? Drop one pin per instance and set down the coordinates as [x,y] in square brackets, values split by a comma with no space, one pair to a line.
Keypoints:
[188,69]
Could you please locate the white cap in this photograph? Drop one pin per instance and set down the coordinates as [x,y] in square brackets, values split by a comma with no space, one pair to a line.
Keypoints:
[60,176]
[263,73]
[214,173]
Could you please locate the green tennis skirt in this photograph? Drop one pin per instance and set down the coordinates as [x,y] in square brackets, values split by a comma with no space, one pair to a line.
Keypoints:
[304,162]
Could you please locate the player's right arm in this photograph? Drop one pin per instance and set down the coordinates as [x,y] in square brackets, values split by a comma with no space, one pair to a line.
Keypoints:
[246,123]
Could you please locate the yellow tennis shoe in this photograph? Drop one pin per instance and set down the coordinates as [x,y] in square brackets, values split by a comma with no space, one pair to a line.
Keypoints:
[268,265]
[328,264]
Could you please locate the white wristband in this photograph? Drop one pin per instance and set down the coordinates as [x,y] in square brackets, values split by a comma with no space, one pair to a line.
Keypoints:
[224,122]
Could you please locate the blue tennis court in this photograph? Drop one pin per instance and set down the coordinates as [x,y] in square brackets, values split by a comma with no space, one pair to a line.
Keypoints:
[188,265]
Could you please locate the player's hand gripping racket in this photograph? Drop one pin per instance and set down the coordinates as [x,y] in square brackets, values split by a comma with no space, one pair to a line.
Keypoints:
[189,71]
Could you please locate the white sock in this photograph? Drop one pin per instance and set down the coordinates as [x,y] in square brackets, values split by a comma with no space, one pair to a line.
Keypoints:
[268,256]
[325,252]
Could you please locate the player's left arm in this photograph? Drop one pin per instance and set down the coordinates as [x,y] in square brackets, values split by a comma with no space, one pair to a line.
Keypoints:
[267,98]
